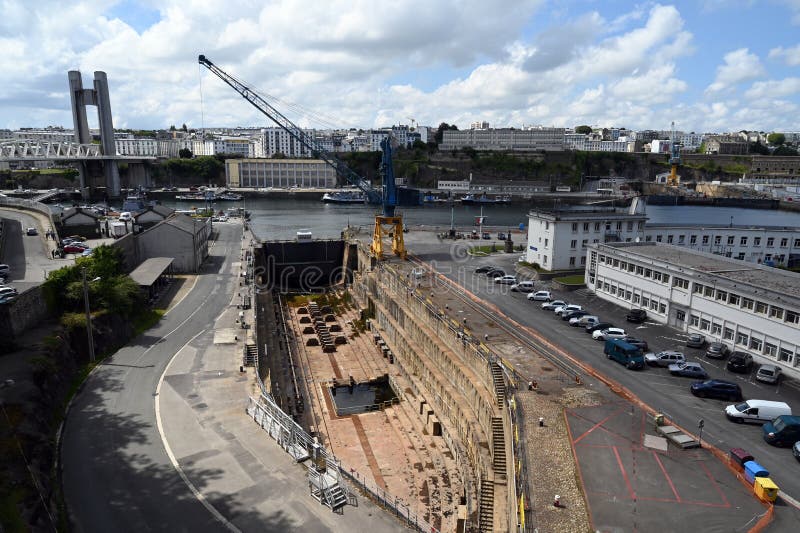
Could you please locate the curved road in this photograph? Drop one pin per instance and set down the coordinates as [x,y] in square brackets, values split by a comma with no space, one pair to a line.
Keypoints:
[115,472]
[27,255]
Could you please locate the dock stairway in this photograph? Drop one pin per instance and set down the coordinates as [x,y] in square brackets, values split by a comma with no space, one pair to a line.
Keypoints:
[499,384]
[326,485]
[486,507]
[250,354]
[498,446]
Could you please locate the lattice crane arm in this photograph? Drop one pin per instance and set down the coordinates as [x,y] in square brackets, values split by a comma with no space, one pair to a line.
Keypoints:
[373,195]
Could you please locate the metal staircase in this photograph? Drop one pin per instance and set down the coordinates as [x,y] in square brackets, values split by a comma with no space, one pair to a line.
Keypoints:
[250,355]
[499,384]
[486,507]
[498,446]
[326,485]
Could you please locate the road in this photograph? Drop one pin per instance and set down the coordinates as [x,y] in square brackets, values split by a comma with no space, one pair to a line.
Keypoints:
[27,255]
[655,387]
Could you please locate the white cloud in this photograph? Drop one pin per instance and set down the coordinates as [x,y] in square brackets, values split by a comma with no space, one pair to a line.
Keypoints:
[740,65]
[791,56]
[773,89]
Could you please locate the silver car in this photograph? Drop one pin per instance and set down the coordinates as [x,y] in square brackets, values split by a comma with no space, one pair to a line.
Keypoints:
[665,358]
[768,373]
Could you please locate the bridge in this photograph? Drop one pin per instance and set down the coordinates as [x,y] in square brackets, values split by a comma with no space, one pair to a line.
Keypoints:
[25,150]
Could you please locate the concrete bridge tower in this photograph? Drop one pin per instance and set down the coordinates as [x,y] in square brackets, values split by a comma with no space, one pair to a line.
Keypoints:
[80,98]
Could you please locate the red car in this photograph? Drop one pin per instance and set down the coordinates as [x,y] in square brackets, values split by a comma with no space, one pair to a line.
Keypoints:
[75,248]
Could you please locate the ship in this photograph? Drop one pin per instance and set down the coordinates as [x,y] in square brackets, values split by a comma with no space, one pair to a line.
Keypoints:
[483,199]
[344,197]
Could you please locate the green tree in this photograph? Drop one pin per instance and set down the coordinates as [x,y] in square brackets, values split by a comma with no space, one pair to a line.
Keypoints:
[776,139]
[583,129]
[784,150]
[184,128]
[185,153]
[172,127]
[758,148]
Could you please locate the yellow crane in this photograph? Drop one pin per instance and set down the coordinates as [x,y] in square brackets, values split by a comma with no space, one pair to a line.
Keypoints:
[673,180]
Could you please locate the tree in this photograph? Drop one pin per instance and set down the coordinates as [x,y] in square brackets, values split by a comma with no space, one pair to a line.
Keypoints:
[278,155]
[185,153]
[784,150]
[440,132]
[583,129]
[758,148]
[776,139]
[172,127]
[184,128]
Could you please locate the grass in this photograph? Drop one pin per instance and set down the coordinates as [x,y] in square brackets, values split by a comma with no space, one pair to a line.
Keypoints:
[147,320]
[577,279]
[485,249]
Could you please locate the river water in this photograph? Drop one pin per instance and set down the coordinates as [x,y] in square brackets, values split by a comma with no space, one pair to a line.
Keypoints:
[274,219]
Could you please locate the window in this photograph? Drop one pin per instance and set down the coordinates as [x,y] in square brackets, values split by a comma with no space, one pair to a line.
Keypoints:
[770,241]
[742,339]
[730,239]
[573,244]
[583,260]
[574,227]
[761,308]
[669,239]
[657,276]
[797,243]
[681,239]
[727,334]
[615,263]
[708,291]
[619,226]
[785,355]
[628,295]
[572,261]
[756,344]
[705,325]
[716,329]
[743,241]
[631,267]
[641,225]
[697,288]
[640,271]
[546,225]
[630,226]
[776,312]
[694,320]
[792,317]
[608,226]
[784,242]
[545,242]
[718,240]
[740,256]
[680,283]
[705,239]
[693,239]
[648,238]
[680,316]
[584,243]
[597,226]
[747,303]
[544,259]
[756,241]
[614,290]
[770,349]
[653,305]
[585,226]
[648,273]
[733,299]
[665,278]
[645,302]
[658,238]
[722,295]
[662,308]
[636,299]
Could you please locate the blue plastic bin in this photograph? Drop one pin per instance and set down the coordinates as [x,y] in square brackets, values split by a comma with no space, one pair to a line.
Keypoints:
[752,470]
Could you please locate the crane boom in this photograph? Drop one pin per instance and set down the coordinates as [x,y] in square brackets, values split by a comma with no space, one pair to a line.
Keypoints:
[373,195]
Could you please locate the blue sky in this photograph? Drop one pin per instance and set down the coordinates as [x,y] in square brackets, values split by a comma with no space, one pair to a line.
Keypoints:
[709,65]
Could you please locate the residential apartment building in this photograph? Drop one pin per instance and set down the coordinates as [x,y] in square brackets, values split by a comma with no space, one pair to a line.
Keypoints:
[277,140]
[137,147]
[749,307]
[504,139]
[279,173]
[726,144]
[774,169]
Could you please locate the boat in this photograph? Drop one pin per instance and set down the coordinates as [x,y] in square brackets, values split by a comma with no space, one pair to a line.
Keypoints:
[191,197]
[483,199]
[229,196]
[344,197]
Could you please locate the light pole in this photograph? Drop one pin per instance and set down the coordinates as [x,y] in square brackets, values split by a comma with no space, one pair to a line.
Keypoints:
[88,314]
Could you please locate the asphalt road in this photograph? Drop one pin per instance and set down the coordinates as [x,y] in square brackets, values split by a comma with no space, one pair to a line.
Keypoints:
[27,255]
[116,474]
[667,394]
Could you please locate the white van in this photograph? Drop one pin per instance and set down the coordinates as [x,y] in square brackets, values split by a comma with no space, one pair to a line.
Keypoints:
[757,411]
[125,216]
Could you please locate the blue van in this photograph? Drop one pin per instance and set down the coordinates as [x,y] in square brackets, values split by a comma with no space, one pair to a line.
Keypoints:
[783,431]
[624,353]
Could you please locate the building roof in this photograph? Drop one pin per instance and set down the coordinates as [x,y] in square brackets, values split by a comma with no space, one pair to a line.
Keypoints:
[158,209]
[72,211]
[700,228]
[148,272]
[586,213]
[769,279]
[185,223]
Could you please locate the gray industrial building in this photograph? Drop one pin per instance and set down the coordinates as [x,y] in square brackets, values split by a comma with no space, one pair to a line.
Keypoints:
[183,238]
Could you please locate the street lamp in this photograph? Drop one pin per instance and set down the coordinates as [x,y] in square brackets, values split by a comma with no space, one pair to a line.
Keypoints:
[88,314]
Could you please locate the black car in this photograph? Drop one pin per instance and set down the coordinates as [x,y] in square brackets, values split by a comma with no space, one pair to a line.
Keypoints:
[485,269]
[740,362]
[600,325]
[639,343]
[496,273]
[717,388]
[574,314]
[636,316]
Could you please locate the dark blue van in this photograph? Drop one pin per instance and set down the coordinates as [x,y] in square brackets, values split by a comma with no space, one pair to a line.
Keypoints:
[783,431]
[624,353]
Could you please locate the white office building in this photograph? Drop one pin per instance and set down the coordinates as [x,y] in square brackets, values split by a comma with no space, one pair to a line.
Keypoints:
[749,307]
[137,147]
[539,138]
[279,173]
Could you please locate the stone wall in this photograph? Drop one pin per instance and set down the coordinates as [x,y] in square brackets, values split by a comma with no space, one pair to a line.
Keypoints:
[27,310]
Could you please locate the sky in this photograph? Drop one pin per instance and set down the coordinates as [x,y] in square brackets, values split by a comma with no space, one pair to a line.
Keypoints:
[707,65]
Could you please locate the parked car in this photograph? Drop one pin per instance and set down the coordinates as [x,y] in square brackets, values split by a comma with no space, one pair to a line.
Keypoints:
[549,306]
[717,350]
[639,343]
[584,320]
[495,273]
[6,291]
[768,373]
[31,231]
[599,326]
[540,296]
[77,238]
[664,358]
[125,216]
[4,269]
[75,248]
[636,315]
[757,411]
[718,389]
[783,431]
[485,269]
[507,279]
[610,333]
[8,298]
[695,340]
[523,286]
[796,450]
[562,309]
[688,370]
[740,362]
[573,314]
[487,235]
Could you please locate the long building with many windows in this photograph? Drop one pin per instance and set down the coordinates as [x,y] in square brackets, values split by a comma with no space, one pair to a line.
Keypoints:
[279,173]
[749,307]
